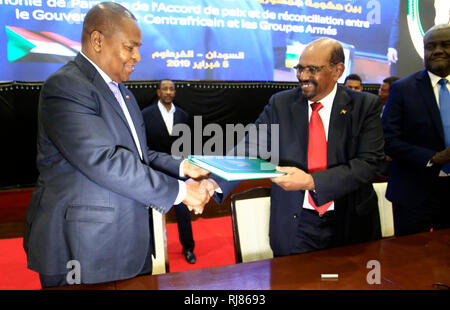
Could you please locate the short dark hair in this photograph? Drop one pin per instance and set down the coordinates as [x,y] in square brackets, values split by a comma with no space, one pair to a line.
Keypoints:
[435,28]
[391,79]
[104,17]
[353,77]
[161,81]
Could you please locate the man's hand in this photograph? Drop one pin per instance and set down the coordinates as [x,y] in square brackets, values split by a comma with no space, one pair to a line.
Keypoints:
[295,179]
[210,185]
[442,157]
[193,171]
[197,196]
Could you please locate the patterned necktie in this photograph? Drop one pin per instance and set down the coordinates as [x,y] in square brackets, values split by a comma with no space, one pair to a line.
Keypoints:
[317,150]
[116,91]
[444,106]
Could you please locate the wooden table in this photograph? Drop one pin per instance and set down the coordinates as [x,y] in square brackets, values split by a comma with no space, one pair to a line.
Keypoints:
[415,262]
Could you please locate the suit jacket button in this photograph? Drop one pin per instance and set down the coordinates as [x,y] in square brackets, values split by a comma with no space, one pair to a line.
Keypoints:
[295,216]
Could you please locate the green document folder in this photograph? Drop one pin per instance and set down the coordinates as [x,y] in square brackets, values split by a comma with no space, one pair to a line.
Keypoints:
[233,168]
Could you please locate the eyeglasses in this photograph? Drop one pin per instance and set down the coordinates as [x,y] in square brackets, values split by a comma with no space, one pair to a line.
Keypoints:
[313,70]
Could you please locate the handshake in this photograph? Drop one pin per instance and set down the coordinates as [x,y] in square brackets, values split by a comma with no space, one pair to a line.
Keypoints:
[199,188]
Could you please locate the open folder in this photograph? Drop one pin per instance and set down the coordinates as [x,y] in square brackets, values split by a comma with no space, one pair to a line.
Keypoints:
[233,168]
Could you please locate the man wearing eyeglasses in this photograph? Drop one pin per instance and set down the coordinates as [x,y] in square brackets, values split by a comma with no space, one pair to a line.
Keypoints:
[330,146]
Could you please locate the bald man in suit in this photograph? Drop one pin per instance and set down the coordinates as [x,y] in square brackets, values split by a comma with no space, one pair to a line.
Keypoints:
[326,198]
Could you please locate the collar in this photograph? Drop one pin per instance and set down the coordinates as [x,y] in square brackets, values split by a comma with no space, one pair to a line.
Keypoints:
[163,109]
[100,71]
[327,101]
[435,79]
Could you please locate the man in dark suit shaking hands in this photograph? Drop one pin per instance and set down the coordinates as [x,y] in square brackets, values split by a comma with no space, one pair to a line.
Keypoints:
[159,120]
[416,122]
[330,145]
[98,182]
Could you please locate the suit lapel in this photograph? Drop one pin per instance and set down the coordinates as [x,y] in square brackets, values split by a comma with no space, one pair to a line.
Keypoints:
[177,117]
[339,120]
[136,117]
[429,99]
[337,131]
[161,125]
[301,124]
[92,74]
[109,96]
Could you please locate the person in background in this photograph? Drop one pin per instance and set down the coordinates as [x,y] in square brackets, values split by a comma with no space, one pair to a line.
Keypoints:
[353,81]
[159,120]
[383,91]
[416,122]
[90,216]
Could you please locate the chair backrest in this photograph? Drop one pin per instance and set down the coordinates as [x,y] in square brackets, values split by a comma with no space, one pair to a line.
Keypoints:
[161,261]
[250,213]
[385,210]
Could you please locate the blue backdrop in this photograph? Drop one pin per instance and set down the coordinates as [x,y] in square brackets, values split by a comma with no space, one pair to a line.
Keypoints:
[197,39]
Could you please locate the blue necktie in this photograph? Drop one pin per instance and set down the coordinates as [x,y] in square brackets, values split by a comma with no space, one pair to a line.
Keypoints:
[444,105]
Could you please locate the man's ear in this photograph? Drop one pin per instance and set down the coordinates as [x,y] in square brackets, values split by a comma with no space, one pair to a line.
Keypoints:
[339,70]
[97,40]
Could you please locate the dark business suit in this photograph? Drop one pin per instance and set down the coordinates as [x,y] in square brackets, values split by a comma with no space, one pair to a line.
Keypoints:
[413,133]
[93,198]
[159,139]
[354,150]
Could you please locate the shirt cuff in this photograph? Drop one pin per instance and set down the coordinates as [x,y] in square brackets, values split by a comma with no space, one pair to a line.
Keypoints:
[180,171]
[181,192]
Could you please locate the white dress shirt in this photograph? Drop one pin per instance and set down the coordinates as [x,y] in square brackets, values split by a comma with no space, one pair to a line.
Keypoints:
[436,88]
[168,120]
[167,115]
[325,114]
[122,104]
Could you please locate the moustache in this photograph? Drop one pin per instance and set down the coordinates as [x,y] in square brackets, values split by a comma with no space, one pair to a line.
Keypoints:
[308,82]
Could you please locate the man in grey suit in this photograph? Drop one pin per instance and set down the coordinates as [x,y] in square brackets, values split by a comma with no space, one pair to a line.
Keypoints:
[98,181]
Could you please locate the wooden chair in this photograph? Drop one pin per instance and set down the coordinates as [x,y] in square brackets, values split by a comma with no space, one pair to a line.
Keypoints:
[161,262]
[385,210]
[250,213]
